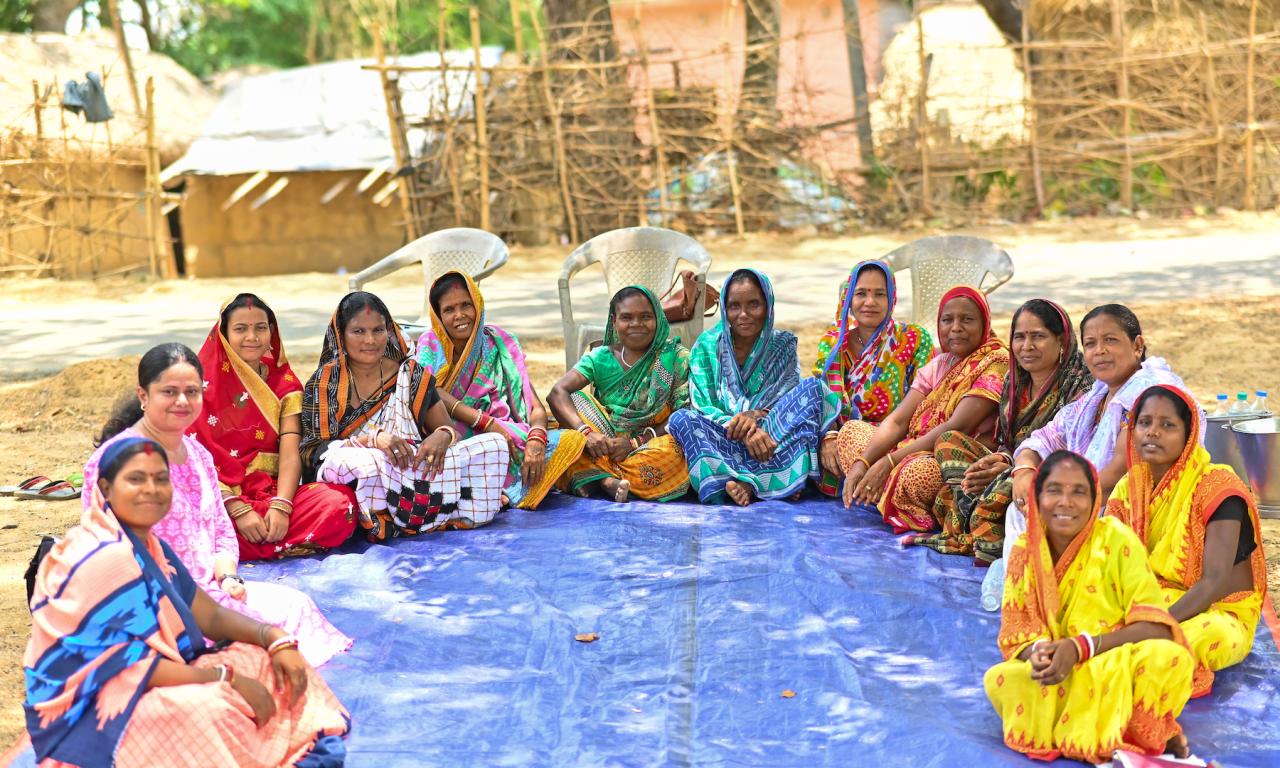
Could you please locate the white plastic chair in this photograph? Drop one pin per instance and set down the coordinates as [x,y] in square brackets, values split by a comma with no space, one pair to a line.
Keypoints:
[940,263]
[646,256]
[474,251]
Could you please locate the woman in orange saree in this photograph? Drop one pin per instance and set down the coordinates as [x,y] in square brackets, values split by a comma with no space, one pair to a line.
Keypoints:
[250,423]
[1093,662]
[1200,524]
[892,466]
[118,671]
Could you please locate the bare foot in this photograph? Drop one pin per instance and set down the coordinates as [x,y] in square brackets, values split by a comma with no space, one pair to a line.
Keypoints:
[506,502]
[618,490]
[1178,747]
[740,493]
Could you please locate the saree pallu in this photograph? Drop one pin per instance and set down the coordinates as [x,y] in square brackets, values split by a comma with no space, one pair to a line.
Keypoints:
[972,524]
[1172,520]
[796,422]
[394,502]
[656,470]
[1126,698]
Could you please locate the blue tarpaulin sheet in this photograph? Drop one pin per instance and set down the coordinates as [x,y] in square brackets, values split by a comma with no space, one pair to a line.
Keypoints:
[465,650]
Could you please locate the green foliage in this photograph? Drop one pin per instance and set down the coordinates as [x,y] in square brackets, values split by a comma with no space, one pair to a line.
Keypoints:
[15,15]
[215,35]
[1099,187]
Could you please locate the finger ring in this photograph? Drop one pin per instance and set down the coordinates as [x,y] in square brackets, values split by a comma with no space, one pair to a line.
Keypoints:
[866,487]
[431,457]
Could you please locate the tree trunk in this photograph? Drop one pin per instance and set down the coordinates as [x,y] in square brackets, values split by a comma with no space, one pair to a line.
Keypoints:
[757,114]
[148,25]
[52,15]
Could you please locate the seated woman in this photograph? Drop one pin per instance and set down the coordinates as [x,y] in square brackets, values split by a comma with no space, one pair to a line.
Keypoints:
[893,465]
[1046,373]
[118,672]
[1200,525]
[868,359]
[167,403]
[481,377]
[639,377]
[1093,662]
[1092,426]
[754,427]
[250,424]
[371,416]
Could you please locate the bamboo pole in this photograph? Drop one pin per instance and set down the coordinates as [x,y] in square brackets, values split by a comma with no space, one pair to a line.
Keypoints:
[735,186]
[1215,114]
[39,111]
[1120,39]
[153,247]
[117,25]
[395,127]
[858,82]
[651,105]
[922,117]
[517,29]
[557,131]
[1250,118]
[1032,119]
[482,128]
[446,152]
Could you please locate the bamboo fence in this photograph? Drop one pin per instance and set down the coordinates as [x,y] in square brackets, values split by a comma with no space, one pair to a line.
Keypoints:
[1156,105]
[76,204]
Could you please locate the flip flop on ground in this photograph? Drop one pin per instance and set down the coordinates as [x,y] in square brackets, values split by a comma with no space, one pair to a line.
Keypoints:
[25,485]
[58,490]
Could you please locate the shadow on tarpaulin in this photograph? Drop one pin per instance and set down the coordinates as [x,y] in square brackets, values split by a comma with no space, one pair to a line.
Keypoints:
[465,650]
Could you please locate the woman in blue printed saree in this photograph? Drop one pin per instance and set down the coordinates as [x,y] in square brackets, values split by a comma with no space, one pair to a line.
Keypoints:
[754,426]
[481,376]
[117,669]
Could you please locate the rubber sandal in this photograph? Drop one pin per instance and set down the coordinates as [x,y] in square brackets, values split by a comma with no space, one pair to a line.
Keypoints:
[59,490]
[25,485]
[76,479]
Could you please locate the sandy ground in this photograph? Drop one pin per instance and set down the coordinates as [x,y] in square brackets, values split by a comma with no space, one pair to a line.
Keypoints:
[1220,334]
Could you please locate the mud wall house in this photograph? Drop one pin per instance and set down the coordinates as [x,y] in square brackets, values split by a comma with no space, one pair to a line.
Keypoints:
[814,86]
[72,193]
[294,171]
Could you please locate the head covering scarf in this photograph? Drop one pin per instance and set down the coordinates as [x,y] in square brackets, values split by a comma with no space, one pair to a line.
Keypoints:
[103,610]
[980,374]
[490,376]
[1171,516]
[720,388]
[240,418]
[1036,604]
[871,381]
[1070,380]
[657,382]
[327,413]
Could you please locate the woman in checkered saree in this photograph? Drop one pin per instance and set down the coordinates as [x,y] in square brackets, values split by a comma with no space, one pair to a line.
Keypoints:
[371,417]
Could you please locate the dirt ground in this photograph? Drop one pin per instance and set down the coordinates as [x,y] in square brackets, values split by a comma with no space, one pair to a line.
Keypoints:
[47,425]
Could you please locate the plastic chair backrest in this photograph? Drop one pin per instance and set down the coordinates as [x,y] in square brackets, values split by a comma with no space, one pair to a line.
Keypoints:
[940,263]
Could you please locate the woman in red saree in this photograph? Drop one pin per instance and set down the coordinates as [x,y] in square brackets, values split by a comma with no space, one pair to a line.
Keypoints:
[251,424]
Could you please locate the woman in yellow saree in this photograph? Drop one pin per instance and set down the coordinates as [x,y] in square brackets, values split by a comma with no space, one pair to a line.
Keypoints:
[1200,525]
[1093,663]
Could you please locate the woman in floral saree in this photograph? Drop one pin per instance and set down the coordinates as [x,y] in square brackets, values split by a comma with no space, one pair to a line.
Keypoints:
[1200,524]
[638,378]
[1093,662]
[481,376]
[371,416]
[118,672]
[250,422]
[868,359]
[1046,372]
[754,427]
[893,466]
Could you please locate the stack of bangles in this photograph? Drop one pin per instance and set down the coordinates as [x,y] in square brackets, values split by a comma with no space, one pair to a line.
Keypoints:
[281,643]
[585,428]
[1086,647]
[482,421]
[239,510]
[537,435]
[282,505]
[832,434]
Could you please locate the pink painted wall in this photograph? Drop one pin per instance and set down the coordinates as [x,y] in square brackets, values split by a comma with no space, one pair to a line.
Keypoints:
[707,38]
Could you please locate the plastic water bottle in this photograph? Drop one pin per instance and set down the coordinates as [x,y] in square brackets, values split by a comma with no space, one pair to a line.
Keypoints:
[1241,405]
[1260,405]
[993,586]
[1221,409]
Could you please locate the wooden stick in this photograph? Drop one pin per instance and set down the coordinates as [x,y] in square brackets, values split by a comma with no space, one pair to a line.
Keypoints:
[922,118]
[117,25]
[154,243]
[557,132]
[517,29]
[482,128]
[1033,127]
[1215,114]
[858,82]
[651,105]
[1120,39]
[395,127]
[1250,116]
